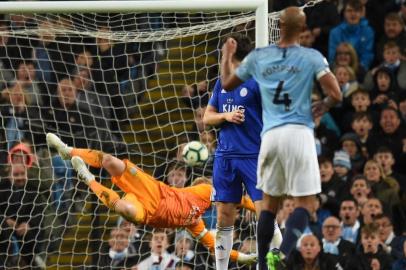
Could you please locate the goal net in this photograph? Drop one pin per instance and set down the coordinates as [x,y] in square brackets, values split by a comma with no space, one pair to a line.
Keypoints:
[134,85]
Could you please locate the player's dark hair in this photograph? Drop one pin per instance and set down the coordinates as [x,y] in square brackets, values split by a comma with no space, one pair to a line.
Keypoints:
[244,45]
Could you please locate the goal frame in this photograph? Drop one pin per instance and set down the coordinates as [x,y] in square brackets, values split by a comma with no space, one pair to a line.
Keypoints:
[259,6]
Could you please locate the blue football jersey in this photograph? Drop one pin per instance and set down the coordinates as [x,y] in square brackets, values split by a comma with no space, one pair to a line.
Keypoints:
[285,77]
[239,139]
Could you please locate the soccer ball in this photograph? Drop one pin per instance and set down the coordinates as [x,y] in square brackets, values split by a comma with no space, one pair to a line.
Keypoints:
[195,153]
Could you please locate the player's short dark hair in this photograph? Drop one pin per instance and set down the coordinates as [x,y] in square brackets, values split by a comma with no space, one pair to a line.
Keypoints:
[244,44]
[361,115]
[355,4]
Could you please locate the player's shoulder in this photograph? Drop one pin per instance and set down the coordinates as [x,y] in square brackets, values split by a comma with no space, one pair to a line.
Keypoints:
[250,84]
[310,51]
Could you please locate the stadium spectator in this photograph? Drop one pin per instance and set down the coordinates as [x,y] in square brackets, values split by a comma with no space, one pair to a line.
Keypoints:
[371,256]
[351,144]
[360,189]
[306,38]
[160,257]
[332,186]
[400,264]
[26,77]
[110,67]
[350,225]
[393,65]
[326,137]
[394,30]
[53,59]
[208,138]
[390,134]
[177,176]
[346,79]
[342,166]
[334,244]
[320,20]
[73,123]
[346,55]
[354,30]
[360,102]
[311,256]
[362,125]
[372,208]
[116,254]
[21,209]
[384,93]
[287,207]
[19,118]
[390,243]
[184,251]
[184,266]
[386,160]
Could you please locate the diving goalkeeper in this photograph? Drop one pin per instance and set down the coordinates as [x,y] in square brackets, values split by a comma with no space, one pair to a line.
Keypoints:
[146,200]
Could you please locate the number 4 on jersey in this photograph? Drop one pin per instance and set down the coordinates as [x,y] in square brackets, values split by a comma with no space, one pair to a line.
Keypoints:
[285,100]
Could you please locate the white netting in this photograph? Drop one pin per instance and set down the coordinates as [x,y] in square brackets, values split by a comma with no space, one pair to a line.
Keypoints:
[133,85]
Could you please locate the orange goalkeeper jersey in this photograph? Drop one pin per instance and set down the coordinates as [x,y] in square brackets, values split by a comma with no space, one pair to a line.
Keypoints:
[164,206]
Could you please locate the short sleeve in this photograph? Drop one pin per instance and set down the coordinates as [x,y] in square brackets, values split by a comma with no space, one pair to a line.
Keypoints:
[247,66]
[321,66]
[214,97]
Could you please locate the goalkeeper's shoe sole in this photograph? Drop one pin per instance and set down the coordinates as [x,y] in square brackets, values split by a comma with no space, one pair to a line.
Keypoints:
[54,141]
[83,172]
[274,260]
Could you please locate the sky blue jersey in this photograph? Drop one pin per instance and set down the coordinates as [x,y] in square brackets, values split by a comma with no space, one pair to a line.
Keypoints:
[239,140]
[285,77]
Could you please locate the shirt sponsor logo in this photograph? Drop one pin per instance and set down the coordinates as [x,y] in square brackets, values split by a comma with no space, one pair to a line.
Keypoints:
[231,108]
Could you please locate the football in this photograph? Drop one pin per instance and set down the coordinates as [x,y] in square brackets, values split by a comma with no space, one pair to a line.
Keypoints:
[195,153]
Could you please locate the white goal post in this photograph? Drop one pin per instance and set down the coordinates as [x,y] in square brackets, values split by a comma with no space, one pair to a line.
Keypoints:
[260,7]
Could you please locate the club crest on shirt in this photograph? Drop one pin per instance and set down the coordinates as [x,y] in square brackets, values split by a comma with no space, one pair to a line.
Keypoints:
[243,92]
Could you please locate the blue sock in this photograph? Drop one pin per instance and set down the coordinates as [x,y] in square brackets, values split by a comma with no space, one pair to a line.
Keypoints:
[295,225]
[265,230]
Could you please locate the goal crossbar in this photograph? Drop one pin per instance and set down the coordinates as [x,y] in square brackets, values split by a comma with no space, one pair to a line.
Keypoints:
[259,6]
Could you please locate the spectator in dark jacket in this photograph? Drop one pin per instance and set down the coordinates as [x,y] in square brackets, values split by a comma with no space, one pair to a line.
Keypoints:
[310,256]
[21,209]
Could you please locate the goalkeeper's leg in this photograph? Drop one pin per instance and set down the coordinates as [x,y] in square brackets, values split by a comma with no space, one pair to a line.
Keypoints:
[94,158]
[128,207]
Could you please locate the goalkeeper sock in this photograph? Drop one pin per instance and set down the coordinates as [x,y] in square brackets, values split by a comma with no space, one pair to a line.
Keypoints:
[107,196]
[224,244]
[93,158]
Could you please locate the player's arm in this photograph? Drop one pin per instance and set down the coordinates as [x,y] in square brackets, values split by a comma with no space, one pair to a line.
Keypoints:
[247,203]
[213,118]
[201,234]
[332,91]
[229,79]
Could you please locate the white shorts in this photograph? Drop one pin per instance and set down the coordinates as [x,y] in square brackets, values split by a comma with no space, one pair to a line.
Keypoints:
[287,162]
